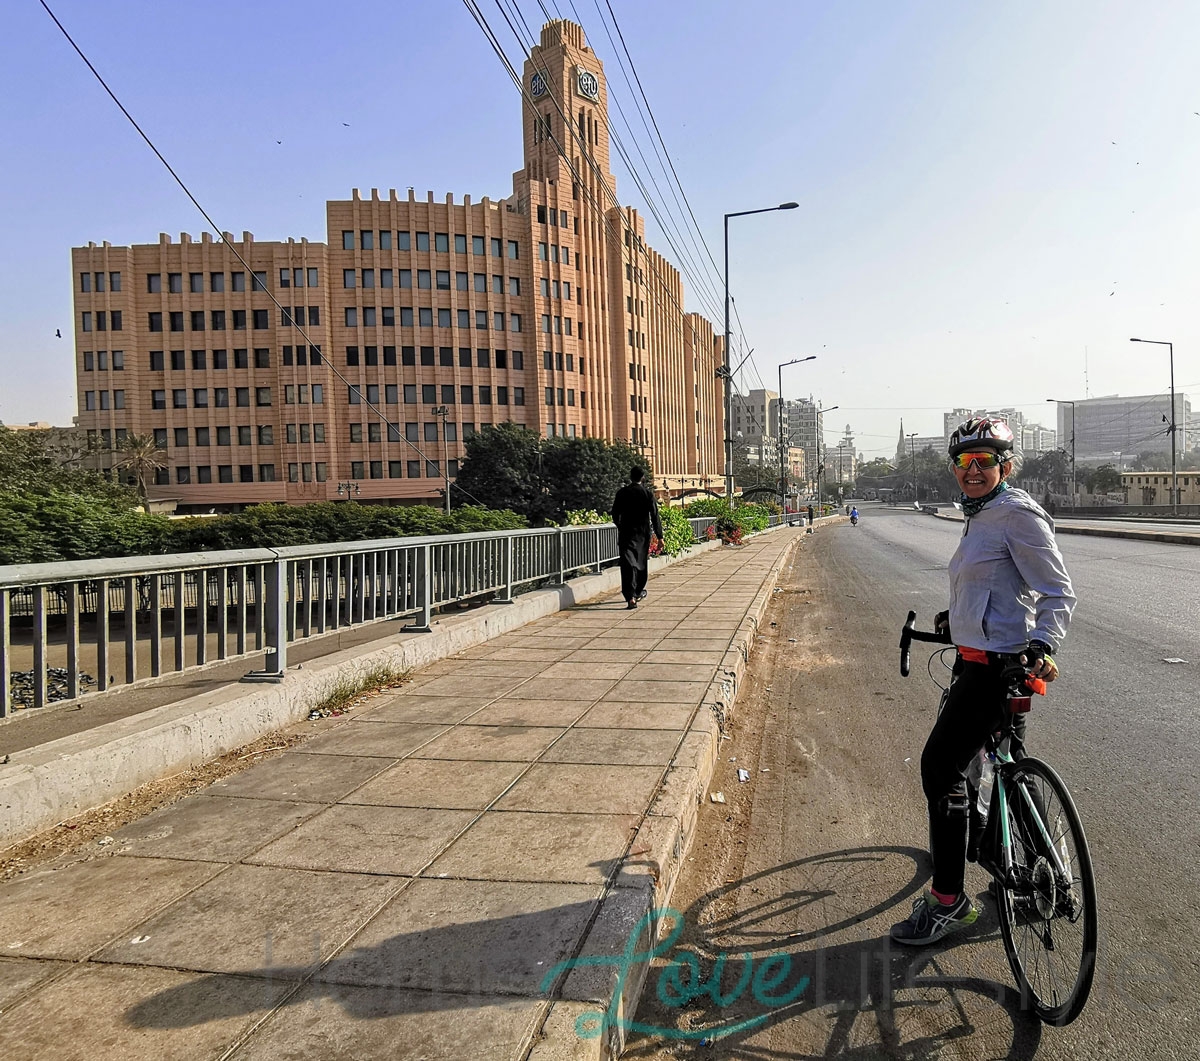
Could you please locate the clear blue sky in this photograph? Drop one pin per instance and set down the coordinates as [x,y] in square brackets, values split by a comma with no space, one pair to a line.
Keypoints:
[985,190]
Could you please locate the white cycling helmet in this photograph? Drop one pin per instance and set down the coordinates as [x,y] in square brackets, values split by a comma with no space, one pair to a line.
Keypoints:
[981,432]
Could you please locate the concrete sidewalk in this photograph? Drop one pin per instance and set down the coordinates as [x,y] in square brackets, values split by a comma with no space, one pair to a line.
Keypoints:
[401,886]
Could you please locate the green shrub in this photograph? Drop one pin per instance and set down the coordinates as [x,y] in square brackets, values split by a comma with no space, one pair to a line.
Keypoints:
[677,531]
[586,517]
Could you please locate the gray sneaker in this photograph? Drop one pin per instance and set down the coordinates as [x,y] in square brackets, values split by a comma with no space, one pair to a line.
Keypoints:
[931,920]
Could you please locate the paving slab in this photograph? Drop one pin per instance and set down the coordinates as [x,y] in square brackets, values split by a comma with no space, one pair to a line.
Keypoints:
[658,692]
[414,707]
[584,788]
[460,685]
[303,777]
[367,839]
[607,655]
[328,1021]
[259,920]
[122,1013]
[507,712]
[70,912]
[496,743]
[489,668]
[18,975]
[211,828]
[468,936]
[614,747]
[575,689]
[623,714]
[576,669]
[438,783]
[393,739]
[520,845]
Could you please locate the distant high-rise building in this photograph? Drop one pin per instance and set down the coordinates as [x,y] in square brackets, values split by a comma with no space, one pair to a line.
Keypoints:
[281,371]
[1114,429]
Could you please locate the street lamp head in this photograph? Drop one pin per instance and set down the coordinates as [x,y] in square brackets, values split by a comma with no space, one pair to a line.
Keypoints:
[788,206]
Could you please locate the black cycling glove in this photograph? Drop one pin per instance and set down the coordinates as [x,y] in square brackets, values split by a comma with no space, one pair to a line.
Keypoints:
[941,621]
[1037,650]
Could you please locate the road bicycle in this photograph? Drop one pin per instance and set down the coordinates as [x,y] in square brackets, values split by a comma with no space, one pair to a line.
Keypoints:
[1030,839]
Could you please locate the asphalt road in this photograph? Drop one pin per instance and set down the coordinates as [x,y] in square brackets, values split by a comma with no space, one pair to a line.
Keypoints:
[827,848]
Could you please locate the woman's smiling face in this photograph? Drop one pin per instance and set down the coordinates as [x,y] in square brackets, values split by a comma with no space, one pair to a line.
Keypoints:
[976,482]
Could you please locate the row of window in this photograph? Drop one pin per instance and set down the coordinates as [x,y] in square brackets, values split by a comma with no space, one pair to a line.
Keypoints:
[484,358]
[412,432]
[467,393]
[555,360]
[204,474]
[216,281]
[96,282]
[106,400]
[551,216]
[428,279]
[246,435]
[398,469]
[561,325]
[220,397]
[386,318]
[553,252]
[100,360]
[369,240]
[102,320]
[552,288]
[557,396]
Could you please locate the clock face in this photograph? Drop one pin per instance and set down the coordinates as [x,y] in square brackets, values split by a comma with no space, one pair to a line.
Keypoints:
[537,87]
[588,84]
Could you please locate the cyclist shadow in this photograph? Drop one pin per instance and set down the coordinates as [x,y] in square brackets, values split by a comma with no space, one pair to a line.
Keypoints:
[847,979]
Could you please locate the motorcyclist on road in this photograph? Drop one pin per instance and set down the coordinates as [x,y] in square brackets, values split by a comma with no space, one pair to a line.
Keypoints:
[853,515]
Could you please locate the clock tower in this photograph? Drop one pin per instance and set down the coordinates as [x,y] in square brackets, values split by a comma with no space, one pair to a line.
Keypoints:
[565,111]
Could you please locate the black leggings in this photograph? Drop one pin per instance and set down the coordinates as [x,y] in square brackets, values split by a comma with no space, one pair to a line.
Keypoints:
[976,707]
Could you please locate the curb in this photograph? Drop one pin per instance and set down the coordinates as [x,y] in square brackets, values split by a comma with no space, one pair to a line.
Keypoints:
[647,878]
[45,785]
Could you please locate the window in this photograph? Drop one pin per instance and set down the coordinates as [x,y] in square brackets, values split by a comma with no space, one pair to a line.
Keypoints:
[348,278]
[514,285]
[196,283]
[262,357]
[200,397]
[85,282]
[497,248]
[428,394]
[158,399]
[433,469]
[216,282]
[368,240]
[89,360]
[239,320]
[543,252]
[481,321]
[221,397]
[177,320]
[402,243]
[460,244]
[518,395]
[406,278]
[198,358]
[424,278]
[477,245]
[410,394]
[266,435]
[179,399]
[225,473]
[260,319]
[385,244]
[183,475]
[155,322]
[391,394]
[427,355]
[117,320]
[314,316]
[443,318]
[497,284]
[515,322]
[266,473]
[312,278]
[347,240]
[442,278]
[202,436]
[356,469]
[238,281]
[501,395]
[89,399]
[550,396]
[447,393]
[445,356]
[353,395]
[368,316]
[514,249]
[258,281]
[293,473]
[464,357]
[441,242]
[485,395]
[246,473]
[425,317]
[351,317]
[175,283]
[242,397]
[218,320]
[467,395]
[422,241]
[385,277]
[262,395]
[498,322]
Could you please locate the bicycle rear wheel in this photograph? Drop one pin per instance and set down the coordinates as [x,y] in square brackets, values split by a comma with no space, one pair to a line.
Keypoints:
[1048,916]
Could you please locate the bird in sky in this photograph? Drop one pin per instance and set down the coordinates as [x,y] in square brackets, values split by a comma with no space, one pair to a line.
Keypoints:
[58,333]
[346,124]
[279,141]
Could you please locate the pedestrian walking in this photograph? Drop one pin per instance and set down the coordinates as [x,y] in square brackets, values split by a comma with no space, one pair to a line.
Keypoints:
[635,512]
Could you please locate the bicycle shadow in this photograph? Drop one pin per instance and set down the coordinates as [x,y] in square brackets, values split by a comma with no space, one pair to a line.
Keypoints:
[847,980]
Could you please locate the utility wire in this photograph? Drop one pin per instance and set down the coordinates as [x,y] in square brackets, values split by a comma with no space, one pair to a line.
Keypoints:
[393,429]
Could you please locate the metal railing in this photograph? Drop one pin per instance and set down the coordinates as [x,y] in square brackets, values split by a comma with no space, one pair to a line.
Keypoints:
[137,619]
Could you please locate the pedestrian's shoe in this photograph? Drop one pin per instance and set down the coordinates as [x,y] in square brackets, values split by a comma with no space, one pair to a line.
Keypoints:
[642,595]
[931,920]
[632,603]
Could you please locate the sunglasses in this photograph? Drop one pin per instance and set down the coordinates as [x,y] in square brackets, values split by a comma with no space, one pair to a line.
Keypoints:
[984,458]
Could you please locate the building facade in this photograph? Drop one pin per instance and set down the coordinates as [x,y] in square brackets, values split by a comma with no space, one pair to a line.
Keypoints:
[1113,430]
[299,371]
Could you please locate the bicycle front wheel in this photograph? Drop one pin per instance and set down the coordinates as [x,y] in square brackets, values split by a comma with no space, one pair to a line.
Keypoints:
[1048,916]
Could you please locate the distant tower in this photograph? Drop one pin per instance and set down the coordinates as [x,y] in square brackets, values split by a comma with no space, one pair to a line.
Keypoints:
[900,443]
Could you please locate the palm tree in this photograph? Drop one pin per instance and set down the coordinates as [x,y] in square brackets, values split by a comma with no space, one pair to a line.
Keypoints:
[142,457]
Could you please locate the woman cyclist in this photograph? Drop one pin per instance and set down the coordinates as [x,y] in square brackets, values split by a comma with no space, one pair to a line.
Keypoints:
[1009,595]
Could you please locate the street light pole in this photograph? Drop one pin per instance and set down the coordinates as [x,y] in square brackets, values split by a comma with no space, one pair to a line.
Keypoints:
[1074,494]
[819,424]
[444,411]
[1174,481]
[724,371]
[779,417]
[912,448]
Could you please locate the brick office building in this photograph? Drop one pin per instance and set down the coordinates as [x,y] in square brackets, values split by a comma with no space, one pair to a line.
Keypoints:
[547,309]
